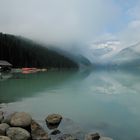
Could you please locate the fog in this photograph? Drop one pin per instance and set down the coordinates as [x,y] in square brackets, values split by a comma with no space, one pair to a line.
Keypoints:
[67,22]
[57,20]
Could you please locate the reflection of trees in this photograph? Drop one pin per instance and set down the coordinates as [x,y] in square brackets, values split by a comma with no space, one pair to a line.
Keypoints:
[21,86]
[5,76]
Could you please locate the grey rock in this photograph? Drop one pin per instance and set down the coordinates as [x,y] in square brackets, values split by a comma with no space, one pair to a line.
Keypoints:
[21,119]
[1,116]
[53,120]
[92,136]
[3,128]
[105,138]
[4,138]
[7,117]
[17,133]
[37,132]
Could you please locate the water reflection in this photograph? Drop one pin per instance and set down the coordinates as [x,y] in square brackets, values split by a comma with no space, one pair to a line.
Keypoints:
[101,100]
[17,86]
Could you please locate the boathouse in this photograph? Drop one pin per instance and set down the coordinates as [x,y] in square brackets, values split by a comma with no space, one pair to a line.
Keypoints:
[5,66]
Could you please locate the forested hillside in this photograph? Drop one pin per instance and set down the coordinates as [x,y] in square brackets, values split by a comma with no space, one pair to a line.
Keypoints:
[25,53]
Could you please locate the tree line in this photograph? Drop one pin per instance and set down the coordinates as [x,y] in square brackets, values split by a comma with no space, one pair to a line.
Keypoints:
[21,52]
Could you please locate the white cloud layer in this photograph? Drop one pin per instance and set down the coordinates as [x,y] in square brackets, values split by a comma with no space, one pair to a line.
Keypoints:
[57,20]
[63,21]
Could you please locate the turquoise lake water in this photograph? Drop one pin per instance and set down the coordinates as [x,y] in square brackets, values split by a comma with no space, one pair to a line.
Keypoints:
[106,101]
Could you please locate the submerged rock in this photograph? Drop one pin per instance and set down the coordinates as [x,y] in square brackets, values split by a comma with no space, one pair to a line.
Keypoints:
[66,137]
[92,136]
[21,119]
[53,120]
[55,132]
[3,128]
[37,132]
[17,133]
[105,138]
[4,138]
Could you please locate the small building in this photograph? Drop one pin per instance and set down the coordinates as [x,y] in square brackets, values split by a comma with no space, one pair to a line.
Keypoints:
[5,66]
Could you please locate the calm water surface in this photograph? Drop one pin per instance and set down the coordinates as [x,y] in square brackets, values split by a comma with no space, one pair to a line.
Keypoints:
[106,101]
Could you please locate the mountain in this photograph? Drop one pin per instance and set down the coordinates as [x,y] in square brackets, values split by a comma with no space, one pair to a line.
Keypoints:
[77,57]
[103,51]
[128,57]
[22,52]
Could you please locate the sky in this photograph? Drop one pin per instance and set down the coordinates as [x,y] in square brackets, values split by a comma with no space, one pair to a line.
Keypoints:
[57,21]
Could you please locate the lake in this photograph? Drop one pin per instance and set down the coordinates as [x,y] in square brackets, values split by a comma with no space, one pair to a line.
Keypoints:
[106,101]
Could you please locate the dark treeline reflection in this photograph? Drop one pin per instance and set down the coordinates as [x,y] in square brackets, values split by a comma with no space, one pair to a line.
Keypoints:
[21,86]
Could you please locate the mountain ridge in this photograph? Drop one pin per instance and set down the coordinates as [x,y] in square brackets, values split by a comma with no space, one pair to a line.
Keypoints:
[22,52]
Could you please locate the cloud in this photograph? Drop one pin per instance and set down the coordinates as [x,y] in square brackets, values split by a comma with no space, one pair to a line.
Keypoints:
[57,20]
[130,34]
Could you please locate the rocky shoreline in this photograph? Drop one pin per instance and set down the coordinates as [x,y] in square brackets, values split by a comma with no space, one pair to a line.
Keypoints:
[21,126]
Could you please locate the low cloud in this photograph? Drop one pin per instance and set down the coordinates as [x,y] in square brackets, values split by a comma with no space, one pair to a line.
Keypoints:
[57,20]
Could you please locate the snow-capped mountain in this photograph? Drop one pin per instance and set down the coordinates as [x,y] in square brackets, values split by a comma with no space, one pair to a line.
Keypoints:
[128,56]
[102,52]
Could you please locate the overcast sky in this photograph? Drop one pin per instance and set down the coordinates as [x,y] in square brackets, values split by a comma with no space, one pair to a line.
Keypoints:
[72,20]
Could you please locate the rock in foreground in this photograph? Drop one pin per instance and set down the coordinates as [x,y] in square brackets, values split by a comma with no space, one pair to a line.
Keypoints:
[17,133]
[53,120]
[21,119]
[4,138]
[92,136]
[3,128]
[1,116]
[37,132]
[7,117]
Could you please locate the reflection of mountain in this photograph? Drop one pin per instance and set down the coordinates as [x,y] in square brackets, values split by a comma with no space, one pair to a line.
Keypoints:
[22,86]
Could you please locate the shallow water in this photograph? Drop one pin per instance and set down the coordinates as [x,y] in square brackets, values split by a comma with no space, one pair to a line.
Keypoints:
[106,101]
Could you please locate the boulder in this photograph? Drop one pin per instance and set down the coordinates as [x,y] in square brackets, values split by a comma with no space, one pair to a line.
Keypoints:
[1,116]
[3,128]
[4,138]
[105,138]
[21,119]
[53,120]
[17,133]
[37,132]
[7,117]
[92,136]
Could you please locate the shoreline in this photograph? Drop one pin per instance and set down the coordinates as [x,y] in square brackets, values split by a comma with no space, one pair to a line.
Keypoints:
[21,126]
